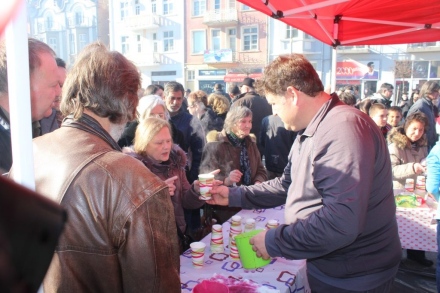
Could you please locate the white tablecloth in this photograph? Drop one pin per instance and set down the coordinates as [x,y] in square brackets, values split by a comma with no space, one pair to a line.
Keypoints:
[415,228]
[281,275]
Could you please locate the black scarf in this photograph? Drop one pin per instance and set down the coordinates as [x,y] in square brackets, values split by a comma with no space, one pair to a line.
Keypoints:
[87,123]
[245,167]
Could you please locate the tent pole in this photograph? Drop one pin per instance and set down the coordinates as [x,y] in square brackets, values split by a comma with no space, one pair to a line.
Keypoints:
[333,72]
[19,99]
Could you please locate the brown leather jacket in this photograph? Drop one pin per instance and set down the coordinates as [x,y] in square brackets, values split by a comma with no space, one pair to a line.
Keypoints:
[120,234]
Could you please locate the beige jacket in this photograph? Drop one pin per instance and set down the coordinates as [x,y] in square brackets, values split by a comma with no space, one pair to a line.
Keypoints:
[403,156]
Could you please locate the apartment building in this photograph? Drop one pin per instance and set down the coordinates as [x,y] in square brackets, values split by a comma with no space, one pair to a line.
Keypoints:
[150,33]
[225,42]
[68,25]
[284,39]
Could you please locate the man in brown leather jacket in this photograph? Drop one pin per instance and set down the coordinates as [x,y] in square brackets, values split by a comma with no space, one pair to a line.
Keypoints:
[121,232]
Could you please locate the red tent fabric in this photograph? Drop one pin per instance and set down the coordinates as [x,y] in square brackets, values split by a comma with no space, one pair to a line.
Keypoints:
[358,22]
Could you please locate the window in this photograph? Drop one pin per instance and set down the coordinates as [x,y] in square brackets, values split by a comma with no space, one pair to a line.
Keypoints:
[245,7]
[232,39]
[198,42]
[215,39]
[216,4]
[168,41]
[139,43]
[307,36]
[291,32]
[137,8]
[168,7]
[79,18]
[49,22]
[199,7]
[53,43]
[124,45]
[155,43]
[153,6]
[124,10]
[250,38]
[83,41]
[231,4]
[72,44]
[190,75]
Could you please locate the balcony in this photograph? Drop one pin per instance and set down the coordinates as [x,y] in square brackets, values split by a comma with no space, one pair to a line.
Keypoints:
[218,56]
[220,17]
[77,22]
[144,58]
[44,26]
[142,22]
[353,49]
[423,47]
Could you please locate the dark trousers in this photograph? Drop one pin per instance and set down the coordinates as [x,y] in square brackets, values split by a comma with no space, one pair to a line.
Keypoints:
[320,287]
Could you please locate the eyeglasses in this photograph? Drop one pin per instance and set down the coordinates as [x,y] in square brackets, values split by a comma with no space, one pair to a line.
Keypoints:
[158,115]
[191,105]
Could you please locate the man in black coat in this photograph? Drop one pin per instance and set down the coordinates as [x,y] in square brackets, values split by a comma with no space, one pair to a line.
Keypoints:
[259,106]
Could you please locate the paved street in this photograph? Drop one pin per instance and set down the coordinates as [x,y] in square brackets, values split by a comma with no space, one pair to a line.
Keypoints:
[414,278]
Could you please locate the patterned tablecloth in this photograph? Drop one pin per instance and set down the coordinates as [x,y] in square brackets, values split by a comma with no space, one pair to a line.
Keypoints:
[415,228]
[281,275]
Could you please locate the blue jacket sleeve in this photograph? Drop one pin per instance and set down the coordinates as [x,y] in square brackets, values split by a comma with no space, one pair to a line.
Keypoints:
[433,166]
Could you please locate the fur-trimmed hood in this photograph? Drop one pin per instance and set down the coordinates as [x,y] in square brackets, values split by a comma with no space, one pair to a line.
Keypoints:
[215,135]
[398,137]
[177,157]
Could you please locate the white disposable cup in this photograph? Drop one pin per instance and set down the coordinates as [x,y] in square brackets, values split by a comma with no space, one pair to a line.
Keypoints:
[198,254]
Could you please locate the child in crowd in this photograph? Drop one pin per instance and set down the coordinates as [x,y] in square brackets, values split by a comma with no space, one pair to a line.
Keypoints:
[378,112]
[394,116]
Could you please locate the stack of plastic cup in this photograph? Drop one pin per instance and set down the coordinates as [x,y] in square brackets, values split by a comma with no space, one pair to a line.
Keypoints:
[217,239]
[249,225]
[409,185]
[233,250]
[420,185]
[235,228]
[272,224]
[198,254]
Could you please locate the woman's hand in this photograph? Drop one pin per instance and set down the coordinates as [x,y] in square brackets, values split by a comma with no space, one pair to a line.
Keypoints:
[171,185]
[418,168]
[196,184]
[234,177]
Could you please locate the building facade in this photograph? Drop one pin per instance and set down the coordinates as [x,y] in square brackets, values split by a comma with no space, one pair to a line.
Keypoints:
[406,66]
[226,41]
[68,25]
[150,33]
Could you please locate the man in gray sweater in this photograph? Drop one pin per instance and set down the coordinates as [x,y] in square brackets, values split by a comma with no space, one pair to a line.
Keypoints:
[337,187]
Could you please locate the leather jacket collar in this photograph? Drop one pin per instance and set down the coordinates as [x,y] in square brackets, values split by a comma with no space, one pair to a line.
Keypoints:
[87,123]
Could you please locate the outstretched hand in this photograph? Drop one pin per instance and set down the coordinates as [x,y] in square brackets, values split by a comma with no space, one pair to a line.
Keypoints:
[171,185]
[220,194]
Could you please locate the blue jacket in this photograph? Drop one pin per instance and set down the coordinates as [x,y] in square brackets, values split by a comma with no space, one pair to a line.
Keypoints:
[194,137]
[276,142]
[433,178]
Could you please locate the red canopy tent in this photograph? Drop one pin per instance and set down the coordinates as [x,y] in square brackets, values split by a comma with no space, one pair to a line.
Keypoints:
[358,22]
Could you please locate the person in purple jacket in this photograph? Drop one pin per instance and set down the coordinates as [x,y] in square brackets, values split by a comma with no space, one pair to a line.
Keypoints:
[337,187]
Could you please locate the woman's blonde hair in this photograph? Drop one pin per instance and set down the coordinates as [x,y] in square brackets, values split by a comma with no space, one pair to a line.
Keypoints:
[219,103]
[145,132]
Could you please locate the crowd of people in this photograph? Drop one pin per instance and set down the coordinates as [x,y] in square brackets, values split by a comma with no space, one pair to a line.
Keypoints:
[124,161]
